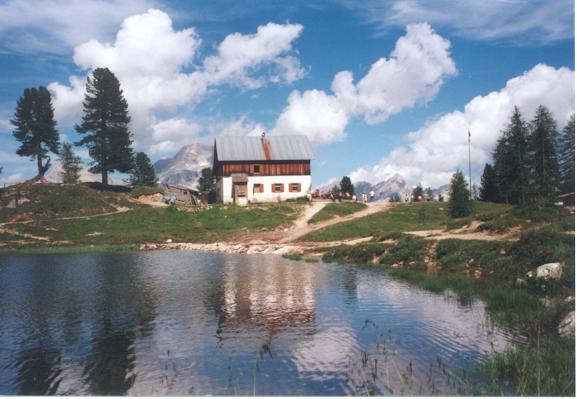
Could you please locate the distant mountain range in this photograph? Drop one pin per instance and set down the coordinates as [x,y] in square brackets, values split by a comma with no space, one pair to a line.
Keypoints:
[184,168]
[54,175]
[384,189]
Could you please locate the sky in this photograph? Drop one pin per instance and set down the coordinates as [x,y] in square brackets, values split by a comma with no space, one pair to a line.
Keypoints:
[379,87]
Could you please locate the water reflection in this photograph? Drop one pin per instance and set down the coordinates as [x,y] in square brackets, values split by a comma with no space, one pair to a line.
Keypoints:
[177,323]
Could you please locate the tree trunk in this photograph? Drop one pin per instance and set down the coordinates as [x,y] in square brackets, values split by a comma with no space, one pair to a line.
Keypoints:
[40,167]
[104,177]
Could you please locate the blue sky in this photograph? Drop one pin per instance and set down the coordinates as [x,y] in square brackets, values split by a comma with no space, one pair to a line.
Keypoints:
[380,88]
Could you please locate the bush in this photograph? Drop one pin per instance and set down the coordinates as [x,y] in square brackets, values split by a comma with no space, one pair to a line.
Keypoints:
[410,252]
[357,254]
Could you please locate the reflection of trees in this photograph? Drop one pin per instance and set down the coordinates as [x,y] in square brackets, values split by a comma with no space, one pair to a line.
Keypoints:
[350,284]
[111,362]
[38,371]
[38,362]
[125,306]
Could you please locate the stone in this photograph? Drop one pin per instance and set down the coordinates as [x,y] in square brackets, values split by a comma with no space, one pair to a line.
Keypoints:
[169,240]
[550,270]
[567,326]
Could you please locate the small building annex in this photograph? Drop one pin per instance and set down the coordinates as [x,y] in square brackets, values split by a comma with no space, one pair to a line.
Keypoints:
[262,169]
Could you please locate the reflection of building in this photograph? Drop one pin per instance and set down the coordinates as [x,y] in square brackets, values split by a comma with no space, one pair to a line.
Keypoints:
[261,169]
[271,296]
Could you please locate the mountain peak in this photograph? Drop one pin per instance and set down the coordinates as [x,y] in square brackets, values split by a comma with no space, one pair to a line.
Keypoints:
[184,168]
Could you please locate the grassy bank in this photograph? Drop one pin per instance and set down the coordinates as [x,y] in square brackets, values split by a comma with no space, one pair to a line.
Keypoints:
[146,224]
[336,209]
[57,200]
[496,218]
[77,216]
[69,249]
[496,273]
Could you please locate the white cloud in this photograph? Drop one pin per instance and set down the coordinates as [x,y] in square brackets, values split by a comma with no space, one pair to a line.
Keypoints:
[170,135]
[156,67]
[13,178]
[56,26]
[239,54]
[413,74]
[520,22]
[440,147]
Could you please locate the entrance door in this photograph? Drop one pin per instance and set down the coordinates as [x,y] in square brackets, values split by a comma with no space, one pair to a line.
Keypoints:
[239,193]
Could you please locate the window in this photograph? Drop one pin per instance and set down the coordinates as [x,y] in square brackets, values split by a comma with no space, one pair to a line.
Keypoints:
[257,188]
[278,188]
[256,169]
[295,187]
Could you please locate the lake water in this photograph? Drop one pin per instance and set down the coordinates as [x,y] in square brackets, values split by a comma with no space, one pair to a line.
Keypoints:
[191,323]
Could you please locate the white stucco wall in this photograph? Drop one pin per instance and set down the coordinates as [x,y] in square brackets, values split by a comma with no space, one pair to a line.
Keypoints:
[224,188]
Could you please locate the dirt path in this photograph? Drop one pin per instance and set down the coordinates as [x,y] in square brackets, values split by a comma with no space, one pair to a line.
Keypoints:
[468,232]
[301,227]
[119,209]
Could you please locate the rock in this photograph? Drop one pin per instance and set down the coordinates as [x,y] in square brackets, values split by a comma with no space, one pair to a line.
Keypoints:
[502,252]
[550,270]
[169,241]
[547,302]
[567,325]
[530,274]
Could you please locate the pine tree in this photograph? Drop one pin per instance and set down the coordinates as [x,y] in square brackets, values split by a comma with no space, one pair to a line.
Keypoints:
[206,181]
[35,127]
[105,125]
[71,164]
[460,204]
[347,186]
[489,191]
[543,155]
[511,165]
[567,156]
[417,193]
[143,171]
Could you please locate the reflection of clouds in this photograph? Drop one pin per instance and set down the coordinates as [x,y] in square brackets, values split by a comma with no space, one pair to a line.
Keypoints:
[327,353]
[190,321]
[435,320]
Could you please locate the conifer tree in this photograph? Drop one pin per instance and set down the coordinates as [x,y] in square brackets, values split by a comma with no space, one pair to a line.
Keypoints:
[105,125]
[567,156]
[417,193]
[543,156]
[489,191]
[143,172]
[511,165]
[347,186]
[206,181]
[71,164]
[35,127]
[460,204]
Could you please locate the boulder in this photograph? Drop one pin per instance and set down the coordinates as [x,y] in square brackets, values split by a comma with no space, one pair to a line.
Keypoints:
[550,270]
[567,326]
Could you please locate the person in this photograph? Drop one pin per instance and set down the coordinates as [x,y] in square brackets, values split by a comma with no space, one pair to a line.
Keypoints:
[372,195]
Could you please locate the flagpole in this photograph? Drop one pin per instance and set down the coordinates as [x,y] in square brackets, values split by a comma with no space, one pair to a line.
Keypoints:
[470,185]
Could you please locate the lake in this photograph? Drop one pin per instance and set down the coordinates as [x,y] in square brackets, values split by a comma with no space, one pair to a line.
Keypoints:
[193,323]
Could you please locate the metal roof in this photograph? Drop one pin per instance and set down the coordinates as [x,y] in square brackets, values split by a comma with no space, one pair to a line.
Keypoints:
[250,148]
